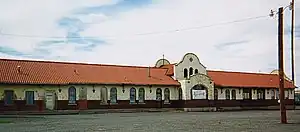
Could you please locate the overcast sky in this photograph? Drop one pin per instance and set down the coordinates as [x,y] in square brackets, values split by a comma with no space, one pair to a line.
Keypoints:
[137,32]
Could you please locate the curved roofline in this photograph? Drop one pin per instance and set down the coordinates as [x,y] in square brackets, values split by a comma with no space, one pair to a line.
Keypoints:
[188,54]
[162,60]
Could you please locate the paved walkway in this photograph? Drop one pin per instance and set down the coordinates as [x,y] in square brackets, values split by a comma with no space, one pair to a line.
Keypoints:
[243,121]
[94,111]
[90,111]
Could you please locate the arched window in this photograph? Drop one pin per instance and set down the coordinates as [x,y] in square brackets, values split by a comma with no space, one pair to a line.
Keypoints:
[132,95]
[185,73]
[260,94]
[72,95]
[216,94]
[233,94]
[158,94]
[227,94]
[113,95]
[191,71]
[167,95]
[179,94]
[273,94]
[196,71]
[277,94]
[141,95]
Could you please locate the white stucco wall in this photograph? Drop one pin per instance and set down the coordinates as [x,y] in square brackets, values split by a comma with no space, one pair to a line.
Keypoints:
[148,95]
[201,79]
[39,91]
[221,93]
[186,63]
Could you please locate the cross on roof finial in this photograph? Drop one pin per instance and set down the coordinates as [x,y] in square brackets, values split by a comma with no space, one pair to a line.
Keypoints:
[163,59]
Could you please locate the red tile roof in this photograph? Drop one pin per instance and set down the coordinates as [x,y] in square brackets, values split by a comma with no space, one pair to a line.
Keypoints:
[241,79]
[170,69]
[45,72]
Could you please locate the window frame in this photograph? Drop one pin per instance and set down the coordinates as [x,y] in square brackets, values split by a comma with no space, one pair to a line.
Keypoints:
[158,92]
[115,97]
[247,95]
[216,94]
[132,95]
[180,94]
[185,73]
[26,98]
[5,97]
[141,97]
[191,71]
[72,96]
[167,96]
[233,94]
[196,71]
[260,94]
[273,94]
[227,94]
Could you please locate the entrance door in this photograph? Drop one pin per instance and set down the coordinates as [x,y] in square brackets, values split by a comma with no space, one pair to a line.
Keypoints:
[50,100]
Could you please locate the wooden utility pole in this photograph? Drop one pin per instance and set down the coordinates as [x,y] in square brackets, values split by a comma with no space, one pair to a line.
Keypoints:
[292,41]
[281,66]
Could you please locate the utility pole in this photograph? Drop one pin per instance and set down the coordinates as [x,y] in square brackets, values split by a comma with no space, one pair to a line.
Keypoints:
[292,41]
[281,66]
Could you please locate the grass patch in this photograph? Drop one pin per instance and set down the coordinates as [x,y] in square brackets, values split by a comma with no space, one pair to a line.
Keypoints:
[5,121]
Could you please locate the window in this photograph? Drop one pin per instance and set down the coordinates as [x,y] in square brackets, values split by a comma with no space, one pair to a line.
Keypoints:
[227,94]
[113,95]
[277,94]
[141,95]
[158,94]
[72,95]
[260,94]
[247,93]
[191,71]
[216,94]
[233,95]
[8,97]
[29,95]
[132,95]
[179,94]
[273,94]
[185,73]
[286,93]
[196,71]
[167,95]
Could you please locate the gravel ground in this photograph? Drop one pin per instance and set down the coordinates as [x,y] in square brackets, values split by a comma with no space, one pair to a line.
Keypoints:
[246,121]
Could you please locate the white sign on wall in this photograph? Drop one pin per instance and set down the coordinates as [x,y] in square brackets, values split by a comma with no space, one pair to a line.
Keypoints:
[199,94]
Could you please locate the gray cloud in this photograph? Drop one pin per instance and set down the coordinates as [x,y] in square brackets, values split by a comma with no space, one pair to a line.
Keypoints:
[226,45]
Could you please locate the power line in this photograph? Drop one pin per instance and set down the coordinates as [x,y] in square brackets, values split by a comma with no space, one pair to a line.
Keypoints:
[139,34]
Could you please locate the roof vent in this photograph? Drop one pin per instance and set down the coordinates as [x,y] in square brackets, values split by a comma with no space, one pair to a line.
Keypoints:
[76,72]
[149,75]
[19,69]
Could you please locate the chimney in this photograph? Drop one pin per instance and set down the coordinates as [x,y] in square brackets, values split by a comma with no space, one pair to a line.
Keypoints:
[19,69]
[149,72]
